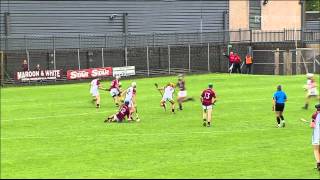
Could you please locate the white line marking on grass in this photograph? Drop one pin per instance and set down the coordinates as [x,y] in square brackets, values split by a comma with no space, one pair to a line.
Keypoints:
[62,115]
[131,134]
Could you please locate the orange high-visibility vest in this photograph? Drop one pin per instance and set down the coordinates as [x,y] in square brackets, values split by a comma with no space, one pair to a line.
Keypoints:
[248,60]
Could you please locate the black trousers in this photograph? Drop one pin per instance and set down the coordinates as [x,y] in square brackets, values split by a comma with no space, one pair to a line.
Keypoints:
[248,68]
[236,67]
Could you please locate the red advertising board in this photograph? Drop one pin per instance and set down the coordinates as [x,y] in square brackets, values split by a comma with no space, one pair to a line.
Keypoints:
[89,73]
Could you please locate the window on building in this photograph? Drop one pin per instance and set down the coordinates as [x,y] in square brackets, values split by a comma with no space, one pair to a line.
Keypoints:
[255,14]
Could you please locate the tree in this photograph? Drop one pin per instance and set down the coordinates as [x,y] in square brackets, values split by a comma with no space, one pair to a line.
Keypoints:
[312,5]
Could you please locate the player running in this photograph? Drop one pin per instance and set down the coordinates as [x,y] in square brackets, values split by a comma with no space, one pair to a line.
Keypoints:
[207,98]
[167,96]
[279,99]
[94,91]
[115,90]
[311,88]
[182,94]
[315,124]
[121,114]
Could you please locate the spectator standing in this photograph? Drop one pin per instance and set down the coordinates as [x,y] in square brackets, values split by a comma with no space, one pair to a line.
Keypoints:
[248,63]
[231,58]
[237,62]
[25,65]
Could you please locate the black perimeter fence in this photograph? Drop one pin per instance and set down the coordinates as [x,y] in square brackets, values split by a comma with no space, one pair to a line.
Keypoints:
[162,53]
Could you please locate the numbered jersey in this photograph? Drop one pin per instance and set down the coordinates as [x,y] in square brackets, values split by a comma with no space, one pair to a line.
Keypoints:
[207,96]
[114,84]
[123,112]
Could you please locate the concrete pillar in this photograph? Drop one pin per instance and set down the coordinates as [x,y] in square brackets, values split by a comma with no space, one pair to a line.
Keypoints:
[276,62]
[298,62]
[287,63]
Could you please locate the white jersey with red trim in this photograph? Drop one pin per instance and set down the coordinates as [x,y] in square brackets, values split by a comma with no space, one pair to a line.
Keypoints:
[312,87]
[129,94]
[94,87]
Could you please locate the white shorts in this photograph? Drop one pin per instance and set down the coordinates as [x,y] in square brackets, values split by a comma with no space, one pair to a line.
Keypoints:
[167,98]
[115,117]
[312,92]
[130,102]
[316,135]
[94,92]
[182,94]
[206,107]
[114,92]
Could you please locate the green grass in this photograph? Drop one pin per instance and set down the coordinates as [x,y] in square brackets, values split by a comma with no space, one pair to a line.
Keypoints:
[55,132]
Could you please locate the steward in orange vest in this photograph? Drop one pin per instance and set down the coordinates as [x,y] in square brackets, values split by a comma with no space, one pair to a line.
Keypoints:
[248,63]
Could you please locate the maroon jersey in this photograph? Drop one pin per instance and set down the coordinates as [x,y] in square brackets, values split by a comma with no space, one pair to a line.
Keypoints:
[207,96]
[123,112]
[114,84]
[314,115]
[25,67]
[181,85]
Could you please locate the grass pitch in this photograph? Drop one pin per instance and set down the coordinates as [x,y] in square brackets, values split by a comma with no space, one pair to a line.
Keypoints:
[55,132]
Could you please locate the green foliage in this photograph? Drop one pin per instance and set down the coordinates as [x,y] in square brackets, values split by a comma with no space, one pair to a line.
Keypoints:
[312,5]
[55,132]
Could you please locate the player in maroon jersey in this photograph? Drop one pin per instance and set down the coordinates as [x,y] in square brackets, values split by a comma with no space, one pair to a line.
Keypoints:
[208,98]
[121,114]
[182,94]
[115,90]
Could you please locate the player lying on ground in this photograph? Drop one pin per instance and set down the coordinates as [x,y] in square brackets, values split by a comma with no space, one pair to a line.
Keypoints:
[130,96]
[167,96]
[95,85]
[115,90]
[311,88]
[120,116]
[207,98]
[182,94]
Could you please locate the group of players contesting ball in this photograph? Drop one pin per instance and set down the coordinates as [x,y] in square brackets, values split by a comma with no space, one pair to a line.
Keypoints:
[126,101]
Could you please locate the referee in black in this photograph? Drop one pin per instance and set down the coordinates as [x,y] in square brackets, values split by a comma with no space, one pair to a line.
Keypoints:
[279,100]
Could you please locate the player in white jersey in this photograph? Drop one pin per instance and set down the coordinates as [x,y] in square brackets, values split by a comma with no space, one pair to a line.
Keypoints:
[167,96]
[130,96]
[311,88]
[94,91]
[315,124]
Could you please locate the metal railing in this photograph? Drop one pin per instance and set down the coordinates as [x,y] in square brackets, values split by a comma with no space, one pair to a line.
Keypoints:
[87,41]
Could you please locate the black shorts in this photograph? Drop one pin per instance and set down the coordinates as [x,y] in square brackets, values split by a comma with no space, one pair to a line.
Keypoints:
[279,107]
